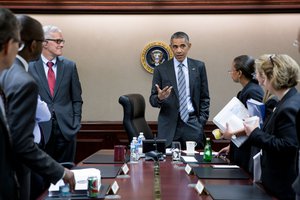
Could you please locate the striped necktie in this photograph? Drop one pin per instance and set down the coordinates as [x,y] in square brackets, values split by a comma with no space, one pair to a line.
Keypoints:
[182,95]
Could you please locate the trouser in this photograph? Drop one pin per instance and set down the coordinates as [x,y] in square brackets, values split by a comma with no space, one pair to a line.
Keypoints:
[58,147]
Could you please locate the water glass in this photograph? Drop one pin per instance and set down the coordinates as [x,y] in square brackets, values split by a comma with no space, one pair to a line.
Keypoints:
[176,151]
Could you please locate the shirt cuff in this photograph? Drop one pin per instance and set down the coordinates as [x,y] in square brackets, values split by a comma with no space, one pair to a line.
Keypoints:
[64,174]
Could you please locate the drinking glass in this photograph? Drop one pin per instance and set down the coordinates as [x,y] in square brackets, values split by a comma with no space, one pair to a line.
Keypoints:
[176,151]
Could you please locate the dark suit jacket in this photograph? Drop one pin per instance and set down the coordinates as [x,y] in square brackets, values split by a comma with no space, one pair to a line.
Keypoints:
[67,101]
[8,182]
[21,92]
[164,75]
[280,147]
[296,184]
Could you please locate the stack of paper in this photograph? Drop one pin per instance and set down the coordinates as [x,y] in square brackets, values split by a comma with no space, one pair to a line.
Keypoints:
[233,113]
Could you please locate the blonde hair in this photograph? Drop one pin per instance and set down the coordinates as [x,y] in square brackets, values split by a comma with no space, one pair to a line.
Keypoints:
[258,62]
[281,70]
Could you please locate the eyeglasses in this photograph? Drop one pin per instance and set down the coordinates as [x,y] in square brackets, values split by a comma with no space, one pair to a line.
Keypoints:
[296,43]
[271,60]
[57,41]
[20,43]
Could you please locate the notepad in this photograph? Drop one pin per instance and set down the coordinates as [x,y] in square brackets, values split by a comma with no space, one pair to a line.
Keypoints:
[189,159]
[107,171]
[213,153]
[236,192]
[225,166]
[221,173]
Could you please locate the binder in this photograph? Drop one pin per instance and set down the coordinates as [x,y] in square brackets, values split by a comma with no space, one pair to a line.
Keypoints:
[256,108]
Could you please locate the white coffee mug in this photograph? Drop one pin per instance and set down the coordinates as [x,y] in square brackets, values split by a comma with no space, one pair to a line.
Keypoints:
[190,147]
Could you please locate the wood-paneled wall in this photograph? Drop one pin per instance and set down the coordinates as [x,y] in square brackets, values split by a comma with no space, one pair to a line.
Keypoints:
[105,134]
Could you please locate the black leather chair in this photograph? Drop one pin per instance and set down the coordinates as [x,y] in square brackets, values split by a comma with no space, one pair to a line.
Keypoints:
[134,120]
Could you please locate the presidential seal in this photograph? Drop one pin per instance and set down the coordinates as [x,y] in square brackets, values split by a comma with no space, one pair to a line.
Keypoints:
[154,54]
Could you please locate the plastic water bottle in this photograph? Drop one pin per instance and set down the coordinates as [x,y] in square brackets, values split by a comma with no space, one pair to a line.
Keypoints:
[207,155]
[140,144]
[133,150]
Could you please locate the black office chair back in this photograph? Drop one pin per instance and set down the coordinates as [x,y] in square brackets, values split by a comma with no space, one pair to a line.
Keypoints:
[134,120]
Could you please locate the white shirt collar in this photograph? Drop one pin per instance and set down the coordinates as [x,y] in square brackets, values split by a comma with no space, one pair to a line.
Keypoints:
[45,60]
[176,62]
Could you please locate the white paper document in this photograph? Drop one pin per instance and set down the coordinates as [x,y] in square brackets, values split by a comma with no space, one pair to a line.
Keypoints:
[257,168]
[233,113]
[189,159]
[214,153]
[238,141]
[225,166]
[81,176]
[190,153]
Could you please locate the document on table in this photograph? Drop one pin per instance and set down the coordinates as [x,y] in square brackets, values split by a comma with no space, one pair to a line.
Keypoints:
[81,176]
[189,159]
[225,166]
[213,153]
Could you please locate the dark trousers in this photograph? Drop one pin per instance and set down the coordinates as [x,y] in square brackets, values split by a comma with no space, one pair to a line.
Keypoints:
[192,130]
[58,147]
[24,181]
[37,186]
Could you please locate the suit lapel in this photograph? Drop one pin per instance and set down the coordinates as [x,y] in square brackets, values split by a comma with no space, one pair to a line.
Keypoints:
[59,74]
[39,66]
[172,77]
[290,93]
[192,76]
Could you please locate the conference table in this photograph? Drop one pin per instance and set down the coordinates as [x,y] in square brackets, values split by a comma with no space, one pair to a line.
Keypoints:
[166,180]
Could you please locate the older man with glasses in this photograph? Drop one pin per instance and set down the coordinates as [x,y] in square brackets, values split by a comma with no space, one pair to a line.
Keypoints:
[60,88]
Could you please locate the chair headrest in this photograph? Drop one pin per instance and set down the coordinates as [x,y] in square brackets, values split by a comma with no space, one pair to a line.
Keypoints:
[134,105]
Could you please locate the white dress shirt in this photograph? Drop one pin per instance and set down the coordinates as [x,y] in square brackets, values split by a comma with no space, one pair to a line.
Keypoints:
[42,112]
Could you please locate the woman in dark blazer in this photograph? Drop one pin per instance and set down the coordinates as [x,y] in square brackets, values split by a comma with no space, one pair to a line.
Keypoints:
[242,71]
[278,138]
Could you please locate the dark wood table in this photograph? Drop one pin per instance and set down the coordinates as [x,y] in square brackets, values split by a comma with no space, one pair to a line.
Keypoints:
[175,183]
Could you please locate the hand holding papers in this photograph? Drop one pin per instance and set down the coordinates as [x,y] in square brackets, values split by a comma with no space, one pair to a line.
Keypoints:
[250,124]
[232,117]
[233,113]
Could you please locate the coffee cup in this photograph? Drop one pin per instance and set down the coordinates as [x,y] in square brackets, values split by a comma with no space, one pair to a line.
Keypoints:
[190,147]
[119,153]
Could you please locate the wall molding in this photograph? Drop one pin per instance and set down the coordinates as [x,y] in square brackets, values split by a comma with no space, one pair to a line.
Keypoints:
[151,6]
